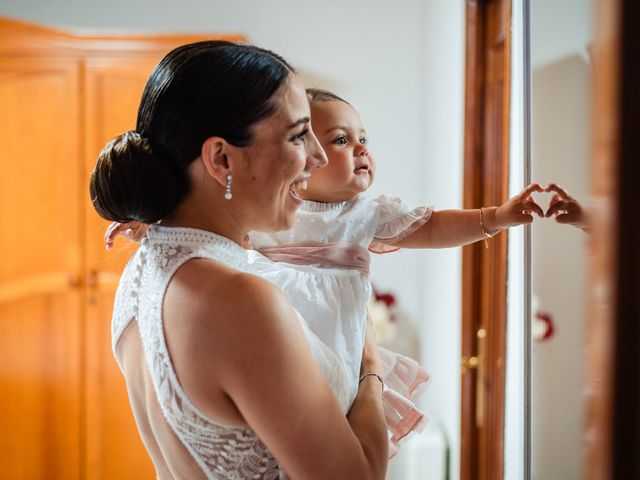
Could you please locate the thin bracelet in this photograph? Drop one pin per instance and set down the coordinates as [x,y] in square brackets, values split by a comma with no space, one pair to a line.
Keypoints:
[372,374]
[485,235]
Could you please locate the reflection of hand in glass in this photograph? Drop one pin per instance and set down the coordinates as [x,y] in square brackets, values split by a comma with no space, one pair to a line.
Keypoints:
[565,208]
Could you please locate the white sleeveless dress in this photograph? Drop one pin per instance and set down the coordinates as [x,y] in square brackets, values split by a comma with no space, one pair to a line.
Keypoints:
[222,452]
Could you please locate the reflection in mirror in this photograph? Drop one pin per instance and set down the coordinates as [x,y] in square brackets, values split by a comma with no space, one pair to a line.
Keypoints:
[561,92]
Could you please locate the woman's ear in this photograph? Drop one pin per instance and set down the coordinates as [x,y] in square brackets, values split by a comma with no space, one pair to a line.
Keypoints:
[215,151]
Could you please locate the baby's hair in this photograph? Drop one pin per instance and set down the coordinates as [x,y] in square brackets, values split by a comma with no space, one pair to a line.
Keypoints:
[320,95]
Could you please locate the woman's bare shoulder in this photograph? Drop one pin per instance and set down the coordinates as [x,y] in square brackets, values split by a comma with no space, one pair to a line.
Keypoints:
[224,313]
[205,286]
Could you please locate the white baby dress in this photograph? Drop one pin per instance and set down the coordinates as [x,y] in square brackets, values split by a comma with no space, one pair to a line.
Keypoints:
[326,278]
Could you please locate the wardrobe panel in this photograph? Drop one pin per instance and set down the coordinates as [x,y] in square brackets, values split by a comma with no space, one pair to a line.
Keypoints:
[113,90]
[41,301]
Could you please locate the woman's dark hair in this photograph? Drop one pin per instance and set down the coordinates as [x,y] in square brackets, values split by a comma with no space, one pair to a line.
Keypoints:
[320,95]
[197,91]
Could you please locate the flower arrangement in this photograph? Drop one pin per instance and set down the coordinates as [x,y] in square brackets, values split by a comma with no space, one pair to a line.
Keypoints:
[383,313]
[393,328]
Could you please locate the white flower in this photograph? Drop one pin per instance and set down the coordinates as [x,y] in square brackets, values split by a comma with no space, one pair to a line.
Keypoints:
[380,315]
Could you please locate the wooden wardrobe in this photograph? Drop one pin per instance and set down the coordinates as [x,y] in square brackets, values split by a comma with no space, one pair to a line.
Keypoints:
[64,411]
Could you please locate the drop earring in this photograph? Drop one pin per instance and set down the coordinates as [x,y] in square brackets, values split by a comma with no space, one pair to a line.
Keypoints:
[227,193]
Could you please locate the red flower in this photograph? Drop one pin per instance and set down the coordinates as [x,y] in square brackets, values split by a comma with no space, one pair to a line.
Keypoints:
[387,298]
[550,327]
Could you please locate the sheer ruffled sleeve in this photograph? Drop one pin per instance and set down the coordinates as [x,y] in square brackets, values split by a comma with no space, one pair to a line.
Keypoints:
[396,221]
[404,379]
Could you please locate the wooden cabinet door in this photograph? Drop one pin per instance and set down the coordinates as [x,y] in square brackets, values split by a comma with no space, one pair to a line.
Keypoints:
[41,304]
[113,90]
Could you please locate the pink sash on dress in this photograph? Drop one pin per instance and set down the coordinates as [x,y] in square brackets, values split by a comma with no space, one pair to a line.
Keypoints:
[328,255]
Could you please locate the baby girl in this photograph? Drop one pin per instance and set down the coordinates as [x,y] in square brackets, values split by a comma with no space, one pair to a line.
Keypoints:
[328,250]
[322,263]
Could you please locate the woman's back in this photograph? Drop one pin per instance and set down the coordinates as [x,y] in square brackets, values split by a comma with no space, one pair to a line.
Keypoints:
[171,426]
[158,438]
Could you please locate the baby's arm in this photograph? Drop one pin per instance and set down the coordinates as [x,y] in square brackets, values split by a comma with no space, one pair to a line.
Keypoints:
[454,228]
[132,231]
[566,209]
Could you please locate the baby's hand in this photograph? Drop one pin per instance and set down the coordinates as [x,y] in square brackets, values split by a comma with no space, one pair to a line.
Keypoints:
[132,231]
[565,208]
[518,210]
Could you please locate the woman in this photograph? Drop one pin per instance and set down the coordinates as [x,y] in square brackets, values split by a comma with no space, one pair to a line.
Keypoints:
[215,358]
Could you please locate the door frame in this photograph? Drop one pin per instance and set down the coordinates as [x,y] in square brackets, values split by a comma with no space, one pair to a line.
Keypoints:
[484,270]
[612,390]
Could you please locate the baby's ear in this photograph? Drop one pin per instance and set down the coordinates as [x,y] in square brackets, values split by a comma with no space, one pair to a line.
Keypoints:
[215,158]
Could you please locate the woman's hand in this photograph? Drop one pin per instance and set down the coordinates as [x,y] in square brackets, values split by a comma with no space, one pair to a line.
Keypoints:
[516,211]
[565,208]
[132,231]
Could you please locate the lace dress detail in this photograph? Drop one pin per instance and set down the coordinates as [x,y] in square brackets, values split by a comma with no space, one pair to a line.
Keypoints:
[220,451]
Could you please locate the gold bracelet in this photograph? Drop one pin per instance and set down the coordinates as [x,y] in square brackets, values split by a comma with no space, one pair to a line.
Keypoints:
[485,235]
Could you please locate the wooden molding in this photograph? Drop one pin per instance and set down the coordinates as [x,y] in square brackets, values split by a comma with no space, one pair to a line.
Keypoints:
[485,270]
[612,396]
[18,38]
[38,285]
[627,371]
[600,331]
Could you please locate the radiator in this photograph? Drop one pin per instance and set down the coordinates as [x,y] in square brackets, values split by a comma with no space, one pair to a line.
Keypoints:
[422,457]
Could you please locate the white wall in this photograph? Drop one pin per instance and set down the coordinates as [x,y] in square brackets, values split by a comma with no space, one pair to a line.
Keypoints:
[561,110]
[441,153]
[402,65]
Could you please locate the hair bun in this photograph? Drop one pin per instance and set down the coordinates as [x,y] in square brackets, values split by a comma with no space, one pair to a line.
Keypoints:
[134,181]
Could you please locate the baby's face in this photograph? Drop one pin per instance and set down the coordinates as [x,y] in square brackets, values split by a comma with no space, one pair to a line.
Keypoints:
[351,168]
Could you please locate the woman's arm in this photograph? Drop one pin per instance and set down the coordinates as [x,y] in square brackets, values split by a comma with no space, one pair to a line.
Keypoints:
[236,337]
[454,228]
[372,435]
